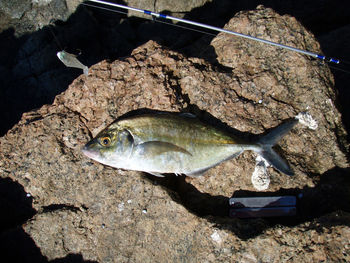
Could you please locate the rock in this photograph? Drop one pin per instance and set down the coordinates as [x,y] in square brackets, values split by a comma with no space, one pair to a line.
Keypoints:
[108,214]
[178,8]
[27,16]
[15,8]
[335,43]
[266,89]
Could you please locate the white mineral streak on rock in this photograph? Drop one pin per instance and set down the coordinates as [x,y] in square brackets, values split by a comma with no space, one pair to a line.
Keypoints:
[121,206]
[41,2]
[249,258]
[216,237]
[260,177]
[306,119]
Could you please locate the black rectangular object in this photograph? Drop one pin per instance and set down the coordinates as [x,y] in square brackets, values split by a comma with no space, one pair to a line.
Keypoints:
[249,212]
[270,201]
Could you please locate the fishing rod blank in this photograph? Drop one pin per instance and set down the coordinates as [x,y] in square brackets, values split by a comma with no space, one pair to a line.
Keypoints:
[218,29]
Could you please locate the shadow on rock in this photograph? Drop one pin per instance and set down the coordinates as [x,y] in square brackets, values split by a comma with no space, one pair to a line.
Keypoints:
[31,75]
[15,244]
[15,206]
[18,246]
[336,44]
[331,194]
[72,258]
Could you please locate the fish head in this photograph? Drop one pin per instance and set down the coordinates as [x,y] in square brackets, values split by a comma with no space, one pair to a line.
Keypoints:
[60,55]
[111,146]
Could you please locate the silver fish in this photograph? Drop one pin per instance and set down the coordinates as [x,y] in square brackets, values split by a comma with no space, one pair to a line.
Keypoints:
[70,60]
[180,144]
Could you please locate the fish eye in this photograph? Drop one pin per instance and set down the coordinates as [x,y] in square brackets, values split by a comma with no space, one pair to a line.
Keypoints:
[105,141]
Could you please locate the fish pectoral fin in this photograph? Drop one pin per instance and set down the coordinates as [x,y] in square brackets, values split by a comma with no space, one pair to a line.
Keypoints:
[159,147]
[156,174]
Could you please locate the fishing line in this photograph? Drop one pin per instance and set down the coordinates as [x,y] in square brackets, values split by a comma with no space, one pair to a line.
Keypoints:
[154,15]
[50,24]
[159,21]
[156,20]
[55,38]
[158,15]
[105,8]
[340,69]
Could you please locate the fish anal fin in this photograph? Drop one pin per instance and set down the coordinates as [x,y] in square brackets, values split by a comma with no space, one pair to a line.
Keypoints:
[187,115]
[159,147]
[204,170]
[156,174]
[197,173]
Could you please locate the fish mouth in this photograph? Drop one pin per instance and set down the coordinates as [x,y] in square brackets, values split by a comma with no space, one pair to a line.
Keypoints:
[93,154]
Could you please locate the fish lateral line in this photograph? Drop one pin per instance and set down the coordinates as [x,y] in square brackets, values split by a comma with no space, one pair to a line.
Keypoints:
[185,138]
[150,153]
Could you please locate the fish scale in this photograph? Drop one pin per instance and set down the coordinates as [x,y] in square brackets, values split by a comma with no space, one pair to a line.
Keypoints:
[176,129]
[177,143]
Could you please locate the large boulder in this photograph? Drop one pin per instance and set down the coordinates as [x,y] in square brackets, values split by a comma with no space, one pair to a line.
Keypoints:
[112,215]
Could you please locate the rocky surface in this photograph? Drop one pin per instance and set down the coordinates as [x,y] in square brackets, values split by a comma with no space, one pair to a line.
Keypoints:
[31,15]
[110,215]
[178,8]
[28,16]
[28,44]
[28,63]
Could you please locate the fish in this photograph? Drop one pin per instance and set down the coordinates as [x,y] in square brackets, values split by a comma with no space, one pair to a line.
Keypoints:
[166,143]
[70,60]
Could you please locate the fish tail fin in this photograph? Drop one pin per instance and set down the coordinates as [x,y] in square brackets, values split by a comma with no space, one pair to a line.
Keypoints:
[266,142]
[86,70]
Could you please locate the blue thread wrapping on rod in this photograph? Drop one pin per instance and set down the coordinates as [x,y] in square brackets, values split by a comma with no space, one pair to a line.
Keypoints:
[218,30]
[334,60]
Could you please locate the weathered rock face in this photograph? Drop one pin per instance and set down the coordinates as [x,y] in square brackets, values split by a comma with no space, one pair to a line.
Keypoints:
[30,15]
[174,7]
[111,215]
[27,16]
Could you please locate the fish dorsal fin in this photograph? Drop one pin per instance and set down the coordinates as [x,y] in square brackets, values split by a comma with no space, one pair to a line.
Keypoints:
[65,53]
[159,147]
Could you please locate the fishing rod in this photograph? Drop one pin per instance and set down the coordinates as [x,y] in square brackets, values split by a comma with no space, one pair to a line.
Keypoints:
[218,29]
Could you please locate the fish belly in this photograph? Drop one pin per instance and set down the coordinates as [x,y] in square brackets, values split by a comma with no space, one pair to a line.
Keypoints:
[200,158]
[186,145]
